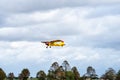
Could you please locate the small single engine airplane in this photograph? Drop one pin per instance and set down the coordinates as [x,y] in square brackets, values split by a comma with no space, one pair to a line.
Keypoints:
[54,43]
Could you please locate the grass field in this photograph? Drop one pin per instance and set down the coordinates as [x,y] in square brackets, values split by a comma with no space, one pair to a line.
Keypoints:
[27,79]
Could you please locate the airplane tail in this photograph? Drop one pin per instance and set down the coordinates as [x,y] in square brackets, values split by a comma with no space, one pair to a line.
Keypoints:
[43,42]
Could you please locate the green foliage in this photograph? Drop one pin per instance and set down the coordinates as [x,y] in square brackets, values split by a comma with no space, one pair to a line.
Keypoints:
[110,74]
[50,75]
[25,74]
[41,75]
[2,74]
[81,78]
[69,75]
[11,76]
[76,73]
[64,72]
[118,75]
[90,73]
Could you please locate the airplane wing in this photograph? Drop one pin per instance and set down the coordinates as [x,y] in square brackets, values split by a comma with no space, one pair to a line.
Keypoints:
[57,41]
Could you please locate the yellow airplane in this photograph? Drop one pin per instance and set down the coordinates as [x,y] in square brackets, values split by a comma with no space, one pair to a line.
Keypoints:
[54,43]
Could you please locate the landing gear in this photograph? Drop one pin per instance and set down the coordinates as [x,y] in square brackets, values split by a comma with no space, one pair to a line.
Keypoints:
[47,47]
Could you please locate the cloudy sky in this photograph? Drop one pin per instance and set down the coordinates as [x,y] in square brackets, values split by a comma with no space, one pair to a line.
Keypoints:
[90,29]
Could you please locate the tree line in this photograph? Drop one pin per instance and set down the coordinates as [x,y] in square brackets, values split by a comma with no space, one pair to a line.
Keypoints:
[62,72]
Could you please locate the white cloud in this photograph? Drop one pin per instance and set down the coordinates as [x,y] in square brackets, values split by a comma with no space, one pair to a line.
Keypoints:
[33,5]
[63,24]
[31,18]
